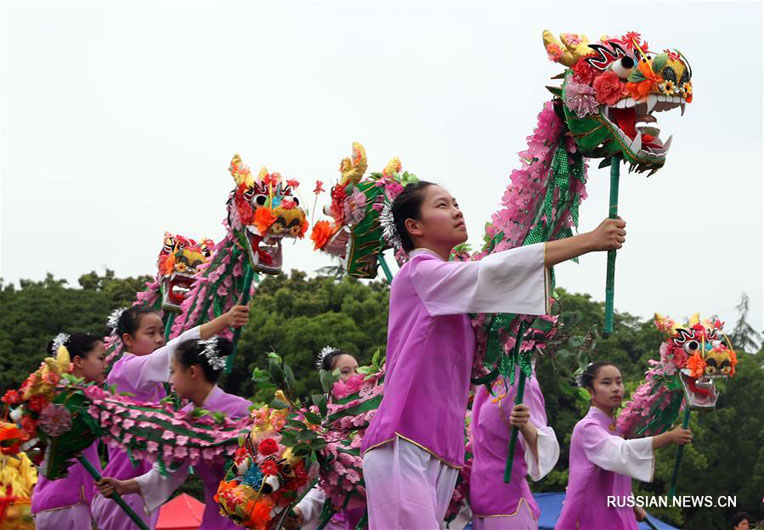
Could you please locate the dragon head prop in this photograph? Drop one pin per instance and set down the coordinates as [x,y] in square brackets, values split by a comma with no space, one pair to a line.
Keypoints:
[692,356]
[178,263]
[700,352]
[261,212]
[266,477]
[354,233]
[611,92]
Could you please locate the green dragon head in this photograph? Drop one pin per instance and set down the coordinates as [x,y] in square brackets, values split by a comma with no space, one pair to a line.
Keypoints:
[611,91]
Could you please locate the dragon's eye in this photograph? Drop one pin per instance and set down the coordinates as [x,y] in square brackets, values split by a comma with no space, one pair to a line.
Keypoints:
[260,200]
[623,67]
[271,484]
[669,74]
[249,193]
[296,201]
[685,77]
[691,346]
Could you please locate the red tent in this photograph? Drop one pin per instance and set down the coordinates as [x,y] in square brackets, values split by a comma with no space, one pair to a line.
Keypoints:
[181,513]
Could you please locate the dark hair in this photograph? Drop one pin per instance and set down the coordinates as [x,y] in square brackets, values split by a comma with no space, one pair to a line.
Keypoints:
[408,205]
[130,319]
[78,344]
[739,517]
[586,379]
[327,363]
[190,353]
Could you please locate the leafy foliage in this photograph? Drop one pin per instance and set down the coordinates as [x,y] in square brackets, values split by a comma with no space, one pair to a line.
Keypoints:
[297,316]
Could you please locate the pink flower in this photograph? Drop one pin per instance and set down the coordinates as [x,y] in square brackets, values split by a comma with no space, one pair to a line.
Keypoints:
[55,420]
[580,98]
[151,447]
[180,451]
[181,439]
[168,435]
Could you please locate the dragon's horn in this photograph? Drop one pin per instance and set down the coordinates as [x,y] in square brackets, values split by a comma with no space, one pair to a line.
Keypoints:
[352,169]
[573,47]
[240,171]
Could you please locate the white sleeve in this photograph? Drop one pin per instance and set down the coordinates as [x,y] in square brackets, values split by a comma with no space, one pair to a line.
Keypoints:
[549,452]
[633,458]
[310,506]
[155,367]
[156,489]
[512,281]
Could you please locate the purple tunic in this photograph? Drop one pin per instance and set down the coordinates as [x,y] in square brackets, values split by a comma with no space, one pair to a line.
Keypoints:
[141,376]
[73,490]
[602,464]
[490,496]
[430,341]
[156,490]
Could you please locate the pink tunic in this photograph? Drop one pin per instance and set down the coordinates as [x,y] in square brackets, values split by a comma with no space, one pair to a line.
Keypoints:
[602,464]
[141,376]
[430,342]
[65,503]
[490,496]
[156,490]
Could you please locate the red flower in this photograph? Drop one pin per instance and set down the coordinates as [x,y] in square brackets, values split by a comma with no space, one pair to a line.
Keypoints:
[268,446]
[244,207]
[583,72]
[37,403]
[29,425]
[240,456]
[608,88]
[319,187]
[269,467]
[11,398]
[287,203]
[292,183]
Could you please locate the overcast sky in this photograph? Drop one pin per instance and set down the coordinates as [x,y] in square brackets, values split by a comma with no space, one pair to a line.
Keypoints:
[119,121]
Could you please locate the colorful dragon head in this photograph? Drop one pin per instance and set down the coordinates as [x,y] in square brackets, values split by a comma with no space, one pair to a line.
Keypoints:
[691,357]
[266,477]
[261,212]
[355,234]
[179,261]
[611,91]
[700,352]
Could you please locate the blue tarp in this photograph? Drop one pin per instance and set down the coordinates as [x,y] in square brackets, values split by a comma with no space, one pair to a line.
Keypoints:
[550,505]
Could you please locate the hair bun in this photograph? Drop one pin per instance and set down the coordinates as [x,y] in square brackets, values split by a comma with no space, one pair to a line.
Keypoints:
[224,347]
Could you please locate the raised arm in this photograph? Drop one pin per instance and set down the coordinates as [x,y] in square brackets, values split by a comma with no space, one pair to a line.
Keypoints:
[512,281]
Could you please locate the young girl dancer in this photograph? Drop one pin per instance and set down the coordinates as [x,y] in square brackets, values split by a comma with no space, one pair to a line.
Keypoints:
[141,370]
[64,504]
[602,463]
[308,510]
[495,504]
[196,367]
[415,443]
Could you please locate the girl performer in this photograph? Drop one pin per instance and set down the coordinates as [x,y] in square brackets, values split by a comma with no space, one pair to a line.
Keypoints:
[495,504]
[64,504]
[196,367]
[602,463]
[141,370]
[415,443]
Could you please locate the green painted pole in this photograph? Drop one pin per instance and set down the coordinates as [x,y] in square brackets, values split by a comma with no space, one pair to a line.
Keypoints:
[248,277]
[115,496]
[515,430]
[615,175]
[679,451]
[168,325]
[518,400]
[385,268]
